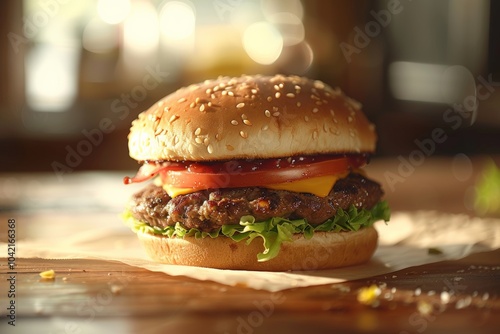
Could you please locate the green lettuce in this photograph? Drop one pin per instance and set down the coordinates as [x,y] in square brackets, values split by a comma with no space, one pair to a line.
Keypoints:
[273,231]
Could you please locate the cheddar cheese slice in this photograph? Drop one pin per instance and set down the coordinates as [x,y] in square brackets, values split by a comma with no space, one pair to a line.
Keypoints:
[319,186]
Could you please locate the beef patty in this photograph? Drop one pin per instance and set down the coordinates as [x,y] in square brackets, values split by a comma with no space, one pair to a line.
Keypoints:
[207,210]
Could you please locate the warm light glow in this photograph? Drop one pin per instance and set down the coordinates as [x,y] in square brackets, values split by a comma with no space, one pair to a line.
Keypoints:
[272,7]
[290,27]
[177,20]
[263,42]
[51,77]
[113,11]
[140,33]
[99,37]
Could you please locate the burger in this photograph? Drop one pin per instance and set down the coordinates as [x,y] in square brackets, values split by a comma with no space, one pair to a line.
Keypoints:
[255,173]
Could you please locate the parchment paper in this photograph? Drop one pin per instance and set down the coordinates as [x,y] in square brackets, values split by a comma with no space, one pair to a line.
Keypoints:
[404,242]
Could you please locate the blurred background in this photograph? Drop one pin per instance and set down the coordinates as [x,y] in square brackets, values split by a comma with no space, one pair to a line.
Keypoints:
[76,73]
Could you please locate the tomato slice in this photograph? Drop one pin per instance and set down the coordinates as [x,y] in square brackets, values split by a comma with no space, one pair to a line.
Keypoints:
[234,174]
[149,170]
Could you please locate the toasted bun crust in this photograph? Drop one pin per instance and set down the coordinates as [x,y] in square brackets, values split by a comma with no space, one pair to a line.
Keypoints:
[325,250]
[251,117]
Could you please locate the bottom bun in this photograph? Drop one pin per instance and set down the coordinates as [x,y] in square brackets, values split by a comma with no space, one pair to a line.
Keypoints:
[325,250]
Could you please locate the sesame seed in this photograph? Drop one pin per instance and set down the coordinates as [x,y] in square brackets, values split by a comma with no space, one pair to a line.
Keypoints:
[276,114]
[268,113]
[209,104]
[269,98]
[182,99]
[254,91]
[315,134]
[229,147]
[277,95]
[244,116]
[306,118]
[265,127]
[216,88]
[318,84]
[281,85]
[198,140]
[290,95]
[197,131]
[160,103]
[276,87]
[297,87]
[210,149]
[240,105]
[192,105]
[173,118]
[202,107]
[318,103]
[230,93]
[299,104]
[354,104]
[243,134]
[212,96]
[315,110]
[224,92]
[234,122]
[247,122]
[332,112]
[166,109]
[208,91]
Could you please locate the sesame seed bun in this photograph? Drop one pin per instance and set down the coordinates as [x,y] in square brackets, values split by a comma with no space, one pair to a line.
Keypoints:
[325,250]
[251,117]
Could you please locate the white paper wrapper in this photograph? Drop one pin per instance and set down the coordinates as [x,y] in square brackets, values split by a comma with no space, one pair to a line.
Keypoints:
[404,242]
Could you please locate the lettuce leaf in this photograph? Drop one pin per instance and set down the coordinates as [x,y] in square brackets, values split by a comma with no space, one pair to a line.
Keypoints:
[273,231]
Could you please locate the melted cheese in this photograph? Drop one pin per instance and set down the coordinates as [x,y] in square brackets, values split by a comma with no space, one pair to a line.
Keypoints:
[319,186]
[174,191]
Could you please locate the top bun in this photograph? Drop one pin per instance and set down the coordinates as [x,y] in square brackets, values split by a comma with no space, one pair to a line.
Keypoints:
[251,117]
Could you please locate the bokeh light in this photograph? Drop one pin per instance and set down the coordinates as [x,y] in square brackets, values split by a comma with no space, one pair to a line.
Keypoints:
[140,33]
[263,42]
[113,11]
[290,26]
[177,20]
[99,36]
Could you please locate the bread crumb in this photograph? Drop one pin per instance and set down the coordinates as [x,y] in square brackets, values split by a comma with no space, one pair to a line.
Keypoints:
[369,295]
[48,274]
[116,289]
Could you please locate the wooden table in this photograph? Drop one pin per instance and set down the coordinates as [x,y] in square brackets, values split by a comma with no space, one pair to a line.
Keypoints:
[91,296]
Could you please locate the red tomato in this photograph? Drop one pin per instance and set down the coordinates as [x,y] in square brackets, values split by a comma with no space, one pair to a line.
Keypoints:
[234,174]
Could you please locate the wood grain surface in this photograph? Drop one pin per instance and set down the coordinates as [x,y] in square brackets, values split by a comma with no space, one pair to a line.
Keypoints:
[91,296]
